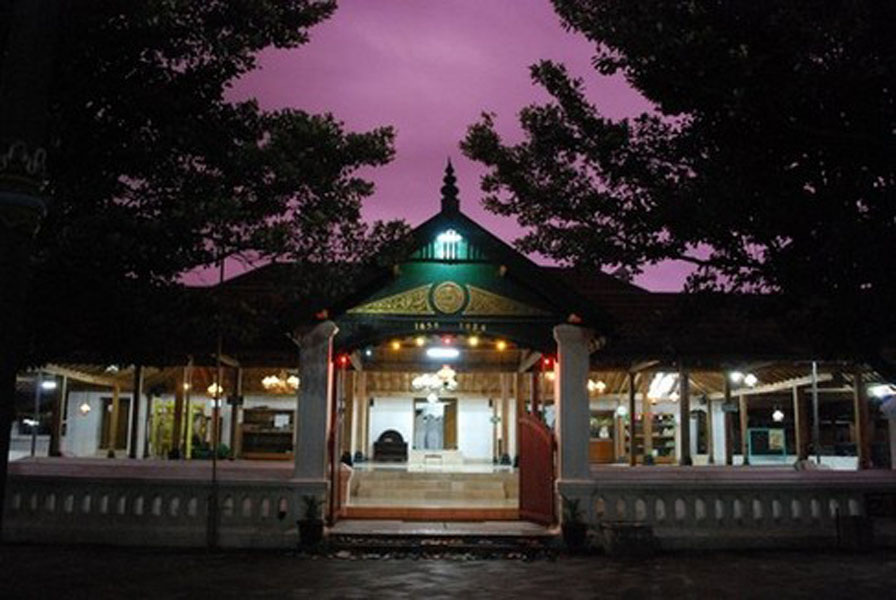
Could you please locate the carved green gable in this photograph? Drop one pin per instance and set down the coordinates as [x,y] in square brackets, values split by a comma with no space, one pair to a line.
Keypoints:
[459,277]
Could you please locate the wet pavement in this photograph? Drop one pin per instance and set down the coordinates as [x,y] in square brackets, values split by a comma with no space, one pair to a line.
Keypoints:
[102,572]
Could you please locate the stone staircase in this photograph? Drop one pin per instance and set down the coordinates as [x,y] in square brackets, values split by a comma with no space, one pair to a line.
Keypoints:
[390,488]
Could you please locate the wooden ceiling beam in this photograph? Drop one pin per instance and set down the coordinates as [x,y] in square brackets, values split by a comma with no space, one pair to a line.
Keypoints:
[528,360]
[76,375]
[769,388]
[642,366]
[355,359]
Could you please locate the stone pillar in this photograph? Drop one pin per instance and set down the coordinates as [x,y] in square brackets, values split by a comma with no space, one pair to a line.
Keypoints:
[571,399]
[316,368]
[684,412]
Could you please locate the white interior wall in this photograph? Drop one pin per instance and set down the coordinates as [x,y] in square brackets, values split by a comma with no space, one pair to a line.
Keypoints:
[82,433]
[391,413]
[474,425]
[474,429]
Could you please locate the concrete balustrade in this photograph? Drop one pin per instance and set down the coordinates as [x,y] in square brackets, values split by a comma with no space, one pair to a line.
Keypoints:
[154,512]
[724,510]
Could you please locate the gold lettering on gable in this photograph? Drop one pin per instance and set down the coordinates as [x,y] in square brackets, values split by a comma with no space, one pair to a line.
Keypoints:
[410,302]
[483,302]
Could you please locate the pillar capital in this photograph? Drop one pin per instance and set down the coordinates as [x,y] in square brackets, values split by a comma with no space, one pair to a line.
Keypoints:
[322,332]
[572,334]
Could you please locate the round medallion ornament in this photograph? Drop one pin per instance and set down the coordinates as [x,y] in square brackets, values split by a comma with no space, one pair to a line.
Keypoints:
[448,297]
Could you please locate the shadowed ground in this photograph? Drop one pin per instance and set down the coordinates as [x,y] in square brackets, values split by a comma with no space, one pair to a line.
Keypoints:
[70,572]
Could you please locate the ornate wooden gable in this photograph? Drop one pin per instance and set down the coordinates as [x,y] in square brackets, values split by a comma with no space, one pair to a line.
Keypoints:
[459,277]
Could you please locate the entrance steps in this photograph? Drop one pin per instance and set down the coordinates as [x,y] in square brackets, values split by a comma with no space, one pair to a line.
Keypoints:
[397,488]
[399,494]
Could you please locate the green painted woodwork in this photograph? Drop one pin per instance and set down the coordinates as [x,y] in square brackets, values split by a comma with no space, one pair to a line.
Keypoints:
[483,286]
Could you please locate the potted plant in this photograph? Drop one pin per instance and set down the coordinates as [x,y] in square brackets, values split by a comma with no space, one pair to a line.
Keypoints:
[574,527]
[311,525]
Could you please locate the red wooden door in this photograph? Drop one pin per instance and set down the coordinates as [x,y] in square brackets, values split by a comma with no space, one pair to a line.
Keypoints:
[536,444]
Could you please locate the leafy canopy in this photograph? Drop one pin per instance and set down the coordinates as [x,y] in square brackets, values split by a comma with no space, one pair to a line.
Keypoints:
[153,172]
[767,162]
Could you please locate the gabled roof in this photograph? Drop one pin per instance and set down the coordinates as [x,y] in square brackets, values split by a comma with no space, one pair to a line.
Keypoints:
[568,303]
[634,322]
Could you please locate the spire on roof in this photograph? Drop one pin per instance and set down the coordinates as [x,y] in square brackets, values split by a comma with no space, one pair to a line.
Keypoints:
[450,202]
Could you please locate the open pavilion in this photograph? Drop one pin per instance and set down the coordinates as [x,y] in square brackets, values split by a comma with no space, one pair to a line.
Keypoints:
[459,380]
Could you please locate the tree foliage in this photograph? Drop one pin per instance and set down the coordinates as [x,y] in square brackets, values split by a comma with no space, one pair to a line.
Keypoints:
[767,162]
[153,171]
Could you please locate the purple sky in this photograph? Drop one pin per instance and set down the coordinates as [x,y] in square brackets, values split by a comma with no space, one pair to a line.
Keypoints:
[429,68]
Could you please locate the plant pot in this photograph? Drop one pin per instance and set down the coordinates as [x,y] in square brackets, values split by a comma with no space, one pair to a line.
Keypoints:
[575,536]
[311,531]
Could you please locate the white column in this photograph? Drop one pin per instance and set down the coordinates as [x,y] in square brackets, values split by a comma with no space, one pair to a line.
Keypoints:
[316,375]
[571,399]
[719,444]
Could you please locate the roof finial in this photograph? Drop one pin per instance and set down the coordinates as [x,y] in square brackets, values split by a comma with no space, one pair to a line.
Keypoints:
[450,202]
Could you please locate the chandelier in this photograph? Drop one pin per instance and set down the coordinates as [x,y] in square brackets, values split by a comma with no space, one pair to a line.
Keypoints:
[443,380]
[597,386]
[282,383]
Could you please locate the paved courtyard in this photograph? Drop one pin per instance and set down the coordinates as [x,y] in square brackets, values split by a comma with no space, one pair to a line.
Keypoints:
[96,573]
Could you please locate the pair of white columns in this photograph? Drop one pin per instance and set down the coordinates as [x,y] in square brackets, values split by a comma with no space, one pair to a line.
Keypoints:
[570,393]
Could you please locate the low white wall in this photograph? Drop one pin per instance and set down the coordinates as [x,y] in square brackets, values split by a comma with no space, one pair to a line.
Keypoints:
[733,508]
[143,512]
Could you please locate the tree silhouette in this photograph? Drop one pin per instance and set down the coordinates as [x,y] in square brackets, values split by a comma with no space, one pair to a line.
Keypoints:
[766,163]
[153,171]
